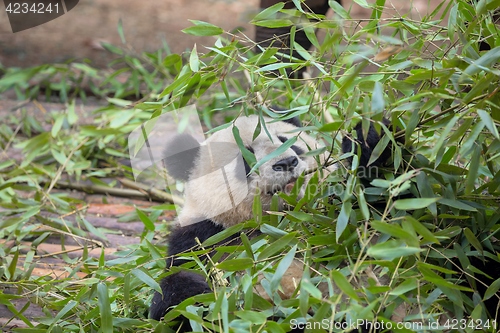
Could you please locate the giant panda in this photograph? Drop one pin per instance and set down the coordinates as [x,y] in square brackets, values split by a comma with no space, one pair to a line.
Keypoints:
[209,208]
[209,167]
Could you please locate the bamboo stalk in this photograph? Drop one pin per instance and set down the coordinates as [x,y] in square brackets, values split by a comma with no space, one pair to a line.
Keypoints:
[151,191]
[156,195]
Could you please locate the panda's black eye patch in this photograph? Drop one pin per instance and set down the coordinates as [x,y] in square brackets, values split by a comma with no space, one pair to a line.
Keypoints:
[247,166]
[297,150]
[282,138]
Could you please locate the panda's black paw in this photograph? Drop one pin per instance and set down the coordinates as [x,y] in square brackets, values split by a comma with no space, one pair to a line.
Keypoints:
[177,288]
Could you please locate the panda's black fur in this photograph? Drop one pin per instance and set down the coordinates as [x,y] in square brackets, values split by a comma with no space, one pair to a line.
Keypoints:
[183,151]
[367,145]
[180,286]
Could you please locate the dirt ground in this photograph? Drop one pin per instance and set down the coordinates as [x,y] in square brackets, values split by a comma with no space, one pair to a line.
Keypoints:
[147,24]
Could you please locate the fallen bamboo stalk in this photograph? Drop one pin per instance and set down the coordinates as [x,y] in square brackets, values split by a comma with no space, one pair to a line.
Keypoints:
[154,195]
[153,192]
[99,189]
[47,250]
[10,323]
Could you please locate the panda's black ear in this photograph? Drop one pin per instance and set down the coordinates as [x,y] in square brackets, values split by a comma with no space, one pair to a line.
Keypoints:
[294,121]
[367,145]
[180,156]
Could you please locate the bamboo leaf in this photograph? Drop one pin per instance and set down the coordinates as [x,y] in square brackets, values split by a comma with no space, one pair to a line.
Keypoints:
[473,240]
[378,102]
[282,268]
[492,289]
[238,264]
[422,230]
[257,318]
[145,220]
[391,250]
[276,66]
[482,64]
[416,203]
[280,150]
[247,154]
[343,219]
[194,61]
[472,181]
[488,121]
[343,284]
[201,28]
[104,308]
[57,125]
[457,204]
[392,229]
[146,278]
[406,286]
[274,23]
[278,245]
[268,12]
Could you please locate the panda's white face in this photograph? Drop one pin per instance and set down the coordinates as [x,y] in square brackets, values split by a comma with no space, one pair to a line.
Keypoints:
[218,187]
[281,172]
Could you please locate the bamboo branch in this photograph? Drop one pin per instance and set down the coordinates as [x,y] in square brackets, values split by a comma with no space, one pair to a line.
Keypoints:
[151,191]
[154,195]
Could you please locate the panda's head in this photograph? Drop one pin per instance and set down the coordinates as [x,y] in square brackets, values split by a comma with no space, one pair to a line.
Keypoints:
[218,182]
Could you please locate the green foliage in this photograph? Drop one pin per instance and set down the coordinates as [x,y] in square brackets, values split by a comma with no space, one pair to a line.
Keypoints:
[131,77]
[427,76]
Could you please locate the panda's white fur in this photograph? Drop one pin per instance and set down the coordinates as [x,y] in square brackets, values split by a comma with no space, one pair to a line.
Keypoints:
[229,206]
